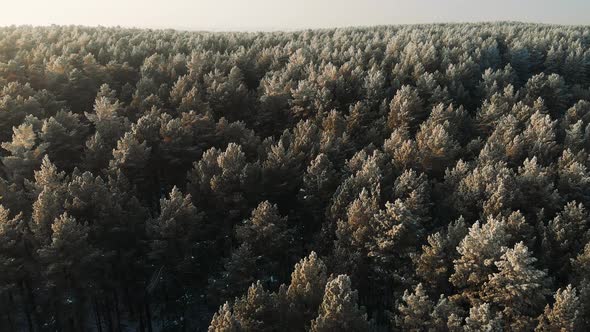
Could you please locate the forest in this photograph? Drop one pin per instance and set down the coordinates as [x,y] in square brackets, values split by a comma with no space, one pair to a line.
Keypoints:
[393,178]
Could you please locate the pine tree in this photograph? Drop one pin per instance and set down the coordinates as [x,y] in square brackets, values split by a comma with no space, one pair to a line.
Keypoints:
[354,232]
[64,135]
[437,148]
[319,184]
[227,95]
[446,316]
[536,188]
[539,137]
[406,110]
[306,290]
[481,318]
[401,149]
[176,237]
[130,153]
[564,315]
[257,310]
[17,262]
[304,95]
[365,173]
[581,268]
[504,144]
[264,253]
[47,207]
[26,152]
[339,310]
[71,266]
[518,289]
[414,312]
[480,248]
[364,123]
[224,320]
[13,248]
[565,236]
[47,176]
[435,264]
[109,127]
[16,103]
[239,272]
[223,183]
[573,176]
[495,108]
[414,190]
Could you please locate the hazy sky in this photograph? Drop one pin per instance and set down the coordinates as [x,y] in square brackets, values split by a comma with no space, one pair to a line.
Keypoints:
[282,14]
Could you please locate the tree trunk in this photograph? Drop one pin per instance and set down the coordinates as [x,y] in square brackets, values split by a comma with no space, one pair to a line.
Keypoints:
[141,320]
[108,315]
[9,312]
[148,313]
[97,313]
[117,314]
[27,307]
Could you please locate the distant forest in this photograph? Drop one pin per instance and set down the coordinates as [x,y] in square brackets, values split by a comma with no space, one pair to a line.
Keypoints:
[395,178]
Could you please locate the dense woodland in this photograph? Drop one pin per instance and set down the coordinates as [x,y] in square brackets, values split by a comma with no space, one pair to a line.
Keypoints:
[395,178]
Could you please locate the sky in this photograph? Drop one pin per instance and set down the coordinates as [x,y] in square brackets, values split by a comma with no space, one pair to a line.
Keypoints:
[252,15]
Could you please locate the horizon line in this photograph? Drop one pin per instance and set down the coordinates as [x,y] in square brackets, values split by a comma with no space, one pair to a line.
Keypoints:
[254,29]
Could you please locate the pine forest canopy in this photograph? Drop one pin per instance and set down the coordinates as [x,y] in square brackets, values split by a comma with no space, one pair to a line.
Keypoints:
[393,178]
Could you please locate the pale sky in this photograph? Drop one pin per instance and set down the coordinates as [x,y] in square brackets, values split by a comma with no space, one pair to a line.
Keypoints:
[285,15]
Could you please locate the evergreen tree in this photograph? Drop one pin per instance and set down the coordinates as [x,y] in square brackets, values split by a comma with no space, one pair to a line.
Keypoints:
[26,152]
[177,237]
[435,264]
[257,310]
[518,289]
[481,318]
[479,250]
[564,315]
[436,147]
[224,321]
[414,313]
[71,264]
[339,309]
[406,110]
[319,184]
[565,237]
[253,260]
[306,290]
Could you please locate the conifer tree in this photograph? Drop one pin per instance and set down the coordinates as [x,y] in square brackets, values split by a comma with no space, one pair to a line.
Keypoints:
[26,151]
[306,290]
[406,110]
[319,184]
[401,149]
[436,147]
[253,260]
[339,309]
[479,250]
[435,264]
[257,310]
[414,312]
[564,315]
[481,318]
[70,265]
[221,180]
[176,236]
[64,135]
[565,237]
[224,321]
[518,289]
[13,250]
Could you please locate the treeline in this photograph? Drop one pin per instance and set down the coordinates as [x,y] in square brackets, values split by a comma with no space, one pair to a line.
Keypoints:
[411,178]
